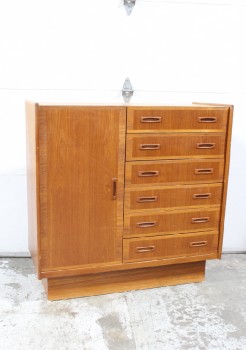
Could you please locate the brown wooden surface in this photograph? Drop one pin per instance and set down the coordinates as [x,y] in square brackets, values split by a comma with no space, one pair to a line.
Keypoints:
[171,222]
[60,170]
[99,268]
[81,150]
[171,197]
[72,287]
[32,184]
[226,171]
[173,146]
[168,246]
[176,119]
[226,179]
[173,172]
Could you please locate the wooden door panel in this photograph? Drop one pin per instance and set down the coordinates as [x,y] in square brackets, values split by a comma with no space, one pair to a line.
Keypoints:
[80,153]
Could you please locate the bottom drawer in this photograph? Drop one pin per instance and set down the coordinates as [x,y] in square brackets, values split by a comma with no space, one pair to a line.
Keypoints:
[164,247]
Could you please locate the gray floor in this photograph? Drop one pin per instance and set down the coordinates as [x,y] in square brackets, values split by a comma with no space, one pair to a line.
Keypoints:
[202,316]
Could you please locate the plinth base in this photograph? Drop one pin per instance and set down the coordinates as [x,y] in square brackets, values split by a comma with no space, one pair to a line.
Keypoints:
[121,281]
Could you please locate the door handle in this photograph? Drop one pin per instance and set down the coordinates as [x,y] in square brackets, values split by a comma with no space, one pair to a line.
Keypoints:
[147,199]
[150,248]
[198,244]
[207,119]
[204,171]
[201,195]
[199,220]
[149,146]
[148,173]
[205,145]
[114,188]
[150,119]
[146,224]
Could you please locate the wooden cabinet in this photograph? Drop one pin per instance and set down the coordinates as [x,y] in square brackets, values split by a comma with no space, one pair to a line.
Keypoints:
[116,192]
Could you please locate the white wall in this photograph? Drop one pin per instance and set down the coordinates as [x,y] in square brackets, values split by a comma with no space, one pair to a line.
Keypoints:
[79,50]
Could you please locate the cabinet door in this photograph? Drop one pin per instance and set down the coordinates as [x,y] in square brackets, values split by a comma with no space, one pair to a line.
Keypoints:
[81,176]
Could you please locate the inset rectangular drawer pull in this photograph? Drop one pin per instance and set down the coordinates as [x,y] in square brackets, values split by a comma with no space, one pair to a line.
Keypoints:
[147,199]
[201,195]
[204,171]
[207,119]
[146,224]
[198,244]
[205,145]
[114,188]
[149,146]
[148,173]
[199,220]
[150,248]
[150,119]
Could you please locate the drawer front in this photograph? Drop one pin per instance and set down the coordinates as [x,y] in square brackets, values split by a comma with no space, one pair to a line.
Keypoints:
[173,172]
[171,222]
[169,247]
[140,119]
[172,197]
[174,146]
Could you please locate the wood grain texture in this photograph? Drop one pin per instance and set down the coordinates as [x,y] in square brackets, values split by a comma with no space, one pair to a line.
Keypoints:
[169,247]
[172,197]
[227,165]
[81,150]
[72,287]
[177,119]
[99,268]
[226,178]
[173,172]
[32,184]
[171,146]
[75,153]
[171,222]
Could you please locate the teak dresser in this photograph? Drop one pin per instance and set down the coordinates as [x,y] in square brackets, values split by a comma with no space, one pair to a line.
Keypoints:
[125,197]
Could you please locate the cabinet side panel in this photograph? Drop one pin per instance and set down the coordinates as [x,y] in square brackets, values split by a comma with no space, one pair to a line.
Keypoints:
[32,183]
[226,177]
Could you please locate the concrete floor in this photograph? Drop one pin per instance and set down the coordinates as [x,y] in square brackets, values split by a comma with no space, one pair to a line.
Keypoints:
[202,316]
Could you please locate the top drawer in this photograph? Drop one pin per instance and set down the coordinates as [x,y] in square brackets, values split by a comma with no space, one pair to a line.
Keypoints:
[183,119]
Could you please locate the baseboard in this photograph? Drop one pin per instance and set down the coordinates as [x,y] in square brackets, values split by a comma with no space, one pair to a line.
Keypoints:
[121,281]
[234,252]
[15,255]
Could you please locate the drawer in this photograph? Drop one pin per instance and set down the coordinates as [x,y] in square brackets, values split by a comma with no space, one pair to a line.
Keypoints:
[172,197]
[170,247]
[147,173]
[145,146]
[156,119]
[171,222]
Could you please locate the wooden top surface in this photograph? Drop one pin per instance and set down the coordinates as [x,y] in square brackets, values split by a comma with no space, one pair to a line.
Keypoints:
[138,105]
